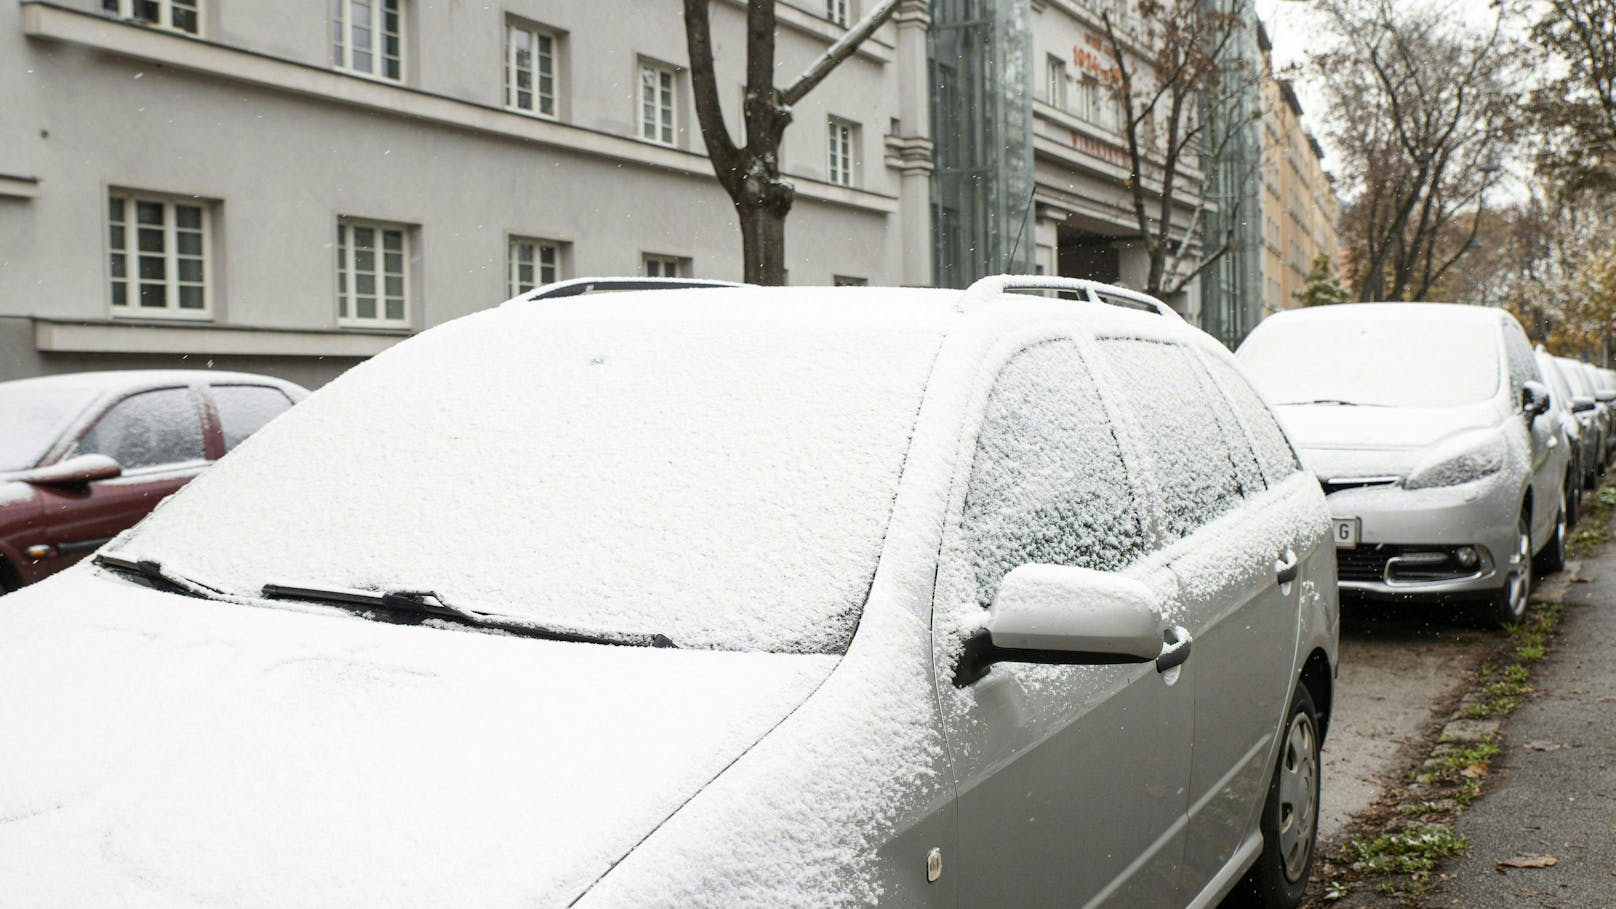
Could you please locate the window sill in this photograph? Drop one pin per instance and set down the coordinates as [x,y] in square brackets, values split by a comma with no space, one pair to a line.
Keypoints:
[135,314]
[168,336]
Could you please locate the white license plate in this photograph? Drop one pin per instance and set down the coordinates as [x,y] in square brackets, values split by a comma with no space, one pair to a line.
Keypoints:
[1345,532]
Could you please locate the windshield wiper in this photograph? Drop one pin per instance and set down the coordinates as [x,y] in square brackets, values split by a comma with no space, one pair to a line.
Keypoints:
[414,607]
[152,575]
[1340,402]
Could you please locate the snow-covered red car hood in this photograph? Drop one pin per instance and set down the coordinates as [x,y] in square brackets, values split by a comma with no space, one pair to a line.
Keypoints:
[165,751]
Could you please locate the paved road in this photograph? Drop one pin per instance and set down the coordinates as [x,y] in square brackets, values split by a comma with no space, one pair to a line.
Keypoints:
[1399,665]
[1554,789]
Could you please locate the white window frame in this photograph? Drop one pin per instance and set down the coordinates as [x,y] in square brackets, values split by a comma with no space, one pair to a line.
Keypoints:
[1055,82]
[130,250]
[841,166]
[128,9]
[348,274]
[657,265]
[663,125]
[541,66]
[342,46]
[537,248]
[839,11]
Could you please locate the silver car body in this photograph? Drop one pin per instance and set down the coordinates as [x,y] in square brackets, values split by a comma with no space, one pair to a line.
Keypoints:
[1402,541]
[302,756]
[1583,440]
[1595,421]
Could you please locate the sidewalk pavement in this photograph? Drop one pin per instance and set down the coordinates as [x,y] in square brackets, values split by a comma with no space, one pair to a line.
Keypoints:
[1553,792]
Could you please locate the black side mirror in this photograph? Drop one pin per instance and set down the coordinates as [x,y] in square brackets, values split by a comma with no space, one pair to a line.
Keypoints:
[1582,405]
[1534,398]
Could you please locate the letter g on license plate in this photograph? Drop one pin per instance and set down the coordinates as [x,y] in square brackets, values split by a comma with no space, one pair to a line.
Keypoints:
[1345,532]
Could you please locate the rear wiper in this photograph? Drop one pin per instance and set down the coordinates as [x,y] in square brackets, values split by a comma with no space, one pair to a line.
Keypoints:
[152,575]
[414,607]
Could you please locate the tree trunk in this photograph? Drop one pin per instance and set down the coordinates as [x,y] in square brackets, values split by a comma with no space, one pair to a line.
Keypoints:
[762,212]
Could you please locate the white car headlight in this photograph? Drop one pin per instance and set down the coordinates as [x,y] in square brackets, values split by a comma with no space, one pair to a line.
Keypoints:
[1461,460]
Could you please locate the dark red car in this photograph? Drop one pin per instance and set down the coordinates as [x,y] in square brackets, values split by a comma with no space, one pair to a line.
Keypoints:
[83,456]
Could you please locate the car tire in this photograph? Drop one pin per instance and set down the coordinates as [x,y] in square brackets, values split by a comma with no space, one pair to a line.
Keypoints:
[1508,605]
[1552,557]
[1290,816]
[1574,500]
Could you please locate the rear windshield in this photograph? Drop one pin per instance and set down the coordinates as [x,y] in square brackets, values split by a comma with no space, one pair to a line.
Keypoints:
[32,416]
[724,481]
[1377,357]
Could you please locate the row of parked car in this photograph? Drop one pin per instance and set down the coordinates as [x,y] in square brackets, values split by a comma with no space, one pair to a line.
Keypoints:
[775,596]
[1455,457]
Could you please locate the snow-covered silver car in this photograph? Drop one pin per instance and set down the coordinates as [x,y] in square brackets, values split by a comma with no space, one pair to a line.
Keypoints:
[728,597]
[1428,425]
[1574,414]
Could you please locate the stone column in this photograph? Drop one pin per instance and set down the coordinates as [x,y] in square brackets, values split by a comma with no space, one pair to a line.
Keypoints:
[910,149]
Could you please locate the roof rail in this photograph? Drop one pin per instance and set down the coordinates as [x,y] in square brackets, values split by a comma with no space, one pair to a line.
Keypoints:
[992,286]
[573,287]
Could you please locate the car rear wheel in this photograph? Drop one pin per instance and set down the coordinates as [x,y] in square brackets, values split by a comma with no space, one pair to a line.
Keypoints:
[1508,605]
[1290,818]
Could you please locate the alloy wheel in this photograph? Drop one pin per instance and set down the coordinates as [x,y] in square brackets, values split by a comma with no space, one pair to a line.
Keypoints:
[1520,578]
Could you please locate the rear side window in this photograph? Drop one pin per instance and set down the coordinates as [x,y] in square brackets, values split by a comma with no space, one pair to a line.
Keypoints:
[1273,450]
[1048,484]
[147,430]
[244,409]
[1202,475]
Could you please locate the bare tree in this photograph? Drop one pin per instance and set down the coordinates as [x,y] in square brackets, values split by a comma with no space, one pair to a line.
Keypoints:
[1183,87]
[1575,110]
[750,171]
[1424,111]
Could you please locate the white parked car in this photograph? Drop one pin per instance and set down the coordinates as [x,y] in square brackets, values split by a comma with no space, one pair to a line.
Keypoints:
[754,596]
[1429,426]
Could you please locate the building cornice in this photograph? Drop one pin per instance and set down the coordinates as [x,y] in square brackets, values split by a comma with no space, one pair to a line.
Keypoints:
[910,155]
[111,336]
[45,20]
[13,186]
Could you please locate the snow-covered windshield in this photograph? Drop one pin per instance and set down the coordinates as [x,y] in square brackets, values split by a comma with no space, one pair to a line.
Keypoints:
[1375,355]
[721,475]
[33,414]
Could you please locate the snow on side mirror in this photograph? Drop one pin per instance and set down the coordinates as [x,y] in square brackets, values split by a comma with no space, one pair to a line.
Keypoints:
[74,471]
[1534,398]
[1582,405]
[1064,615]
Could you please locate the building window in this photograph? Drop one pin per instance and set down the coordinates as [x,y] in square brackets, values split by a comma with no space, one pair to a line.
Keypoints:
[531,263]
[179,15]
[842,136]
[1055,82]
[530,70]
[666,267]
[158,256]
[367,37]
[372,285]
[1088,100]
[836,11]
[848,281]
[656,103]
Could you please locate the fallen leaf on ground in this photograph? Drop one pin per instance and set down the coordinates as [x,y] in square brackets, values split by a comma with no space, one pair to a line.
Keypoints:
[1474,771]
[1528,861]
[1547,746]
[1582,580]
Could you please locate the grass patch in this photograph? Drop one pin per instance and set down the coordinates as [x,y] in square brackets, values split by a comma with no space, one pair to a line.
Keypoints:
[1404,860]
[1461,763]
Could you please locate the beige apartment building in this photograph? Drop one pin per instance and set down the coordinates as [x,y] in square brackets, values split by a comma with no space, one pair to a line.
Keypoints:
[1299,203]
[289,187]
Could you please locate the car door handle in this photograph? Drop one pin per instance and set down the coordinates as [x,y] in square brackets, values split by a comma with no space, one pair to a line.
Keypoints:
[1175,652]
[1287,567]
